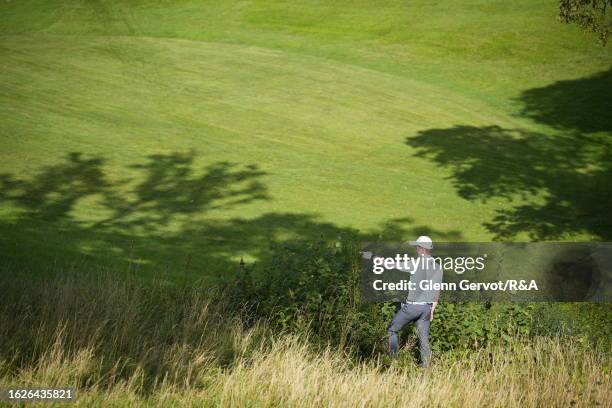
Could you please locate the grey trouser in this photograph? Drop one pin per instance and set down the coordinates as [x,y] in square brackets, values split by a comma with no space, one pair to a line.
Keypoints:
[420,314]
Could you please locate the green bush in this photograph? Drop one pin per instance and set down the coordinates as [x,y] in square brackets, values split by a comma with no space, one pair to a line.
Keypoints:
[476,324]
[305,285]
[314,286]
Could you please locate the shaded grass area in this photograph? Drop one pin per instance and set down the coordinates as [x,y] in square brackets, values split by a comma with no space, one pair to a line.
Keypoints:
[126,344]
[157,222]
[568,176]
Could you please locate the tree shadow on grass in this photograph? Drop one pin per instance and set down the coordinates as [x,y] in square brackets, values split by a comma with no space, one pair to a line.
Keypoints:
[134,216]
[564,181]
[581,105]
[159,217]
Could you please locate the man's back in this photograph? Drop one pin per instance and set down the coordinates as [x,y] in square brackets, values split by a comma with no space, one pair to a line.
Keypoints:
[427,274]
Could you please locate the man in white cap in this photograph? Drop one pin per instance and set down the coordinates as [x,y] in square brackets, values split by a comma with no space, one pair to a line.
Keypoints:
[420,304]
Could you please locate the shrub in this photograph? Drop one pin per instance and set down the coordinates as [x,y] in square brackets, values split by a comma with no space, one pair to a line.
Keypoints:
[314,286]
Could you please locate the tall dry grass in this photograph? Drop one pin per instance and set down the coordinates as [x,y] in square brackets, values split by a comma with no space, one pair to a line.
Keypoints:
[126,344]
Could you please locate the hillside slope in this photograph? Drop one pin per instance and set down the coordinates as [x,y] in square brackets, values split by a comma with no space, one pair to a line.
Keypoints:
[191,133]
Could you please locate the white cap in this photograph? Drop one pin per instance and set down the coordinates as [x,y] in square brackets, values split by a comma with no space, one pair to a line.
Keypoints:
[423,241]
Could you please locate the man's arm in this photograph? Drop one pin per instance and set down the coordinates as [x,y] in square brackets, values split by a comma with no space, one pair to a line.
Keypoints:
[433,305]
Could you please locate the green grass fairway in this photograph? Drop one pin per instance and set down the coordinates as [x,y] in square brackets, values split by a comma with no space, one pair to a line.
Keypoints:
[184,135]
